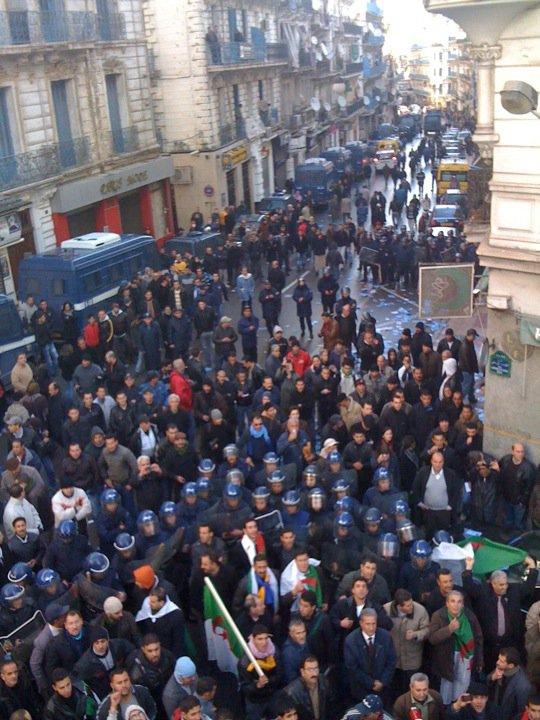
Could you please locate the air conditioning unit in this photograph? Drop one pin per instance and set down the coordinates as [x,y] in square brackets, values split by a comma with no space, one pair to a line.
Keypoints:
[183,175]
[90,241]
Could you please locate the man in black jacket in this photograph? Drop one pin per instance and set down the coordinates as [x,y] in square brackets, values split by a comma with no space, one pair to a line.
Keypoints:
[17,691]
[67,647]
[449,342]
[497,605]
[305,688]
[151,665]
[436,493]
[70,700]
[320,635]
[102,655]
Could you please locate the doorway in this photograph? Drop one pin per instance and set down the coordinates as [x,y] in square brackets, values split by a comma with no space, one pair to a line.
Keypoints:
[231,188]
[246,186]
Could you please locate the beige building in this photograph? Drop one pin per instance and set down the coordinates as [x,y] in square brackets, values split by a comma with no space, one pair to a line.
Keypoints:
[78,149]
[245,91]
[504,39]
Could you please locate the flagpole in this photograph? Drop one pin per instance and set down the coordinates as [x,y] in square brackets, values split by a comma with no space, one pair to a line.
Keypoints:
[236,631]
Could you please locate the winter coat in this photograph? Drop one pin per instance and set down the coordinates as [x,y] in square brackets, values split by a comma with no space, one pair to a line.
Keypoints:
[409,652]
[442,640]
[245,287]
[303,296]
[362,670]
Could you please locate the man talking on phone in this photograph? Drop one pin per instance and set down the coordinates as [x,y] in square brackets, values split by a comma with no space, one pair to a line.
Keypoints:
[474,705]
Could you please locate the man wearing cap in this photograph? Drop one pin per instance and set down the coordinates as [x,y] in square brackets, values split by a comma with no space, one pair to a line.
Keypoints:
[370,657]
[420,337]
[102,655]
[119,623]
[270,300]
[224,338]
[278,339]
[420,698]
[70,503]
[328,287]
[370,708]
[55,614]
[183,682]
[451,343]
[475,705]
[468,364]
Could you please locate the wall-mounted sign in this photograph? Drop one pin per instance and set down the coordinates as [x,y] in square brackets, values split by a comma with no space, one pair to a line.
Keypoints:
[234,157]
[208,191]
[500,364]
[10,229]
[445,291]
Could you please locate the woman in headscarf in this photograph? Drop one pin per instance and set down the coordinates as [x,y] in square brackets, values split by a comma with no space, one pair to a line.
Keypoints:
[449,377]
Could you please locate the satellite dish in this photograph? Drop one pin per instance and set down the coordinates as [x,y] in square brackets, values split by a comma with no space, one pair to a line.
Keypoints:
[314,40]
[318,56]
[324,50]
[341,101]
[327,106]
[367,100]
[315,104]
[378,98]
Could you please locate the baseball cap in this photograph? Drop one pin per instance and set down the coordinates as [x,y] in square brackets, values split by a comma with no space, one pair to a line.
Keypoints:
[277,328]
[472,331]
[55,611]
[185,667]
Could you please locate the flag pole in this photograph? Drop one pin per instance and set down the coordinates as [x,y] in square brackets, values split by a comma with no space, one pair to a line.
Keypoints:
[236,631]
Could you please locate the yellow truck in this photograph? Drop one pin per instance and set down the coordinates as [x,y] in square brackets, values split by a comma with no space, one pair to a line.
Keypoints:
[452,175]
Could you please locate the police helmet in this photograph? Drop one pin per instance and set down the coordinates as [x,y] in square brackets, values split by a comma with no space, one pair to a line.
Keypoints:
[276,477]
[10,592]
[291,497]
[97,562]
[232,492]
[442,536]
[206,466]
[230,451]
[67,529]
[189,490]
[420,549]
[271,458]
[124,541]
[46,578]
[167,509]
[345,519]
[20,572]
[110,496]
[373,515]
[261,492]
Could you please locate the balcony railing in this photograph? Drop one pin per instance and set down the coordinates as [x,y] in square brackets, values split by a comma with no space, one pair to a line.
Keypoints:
[231,132]
[42,163]
[277,51]
[350,28]
[354,106]
[124,140]
[41,28]
[354,67]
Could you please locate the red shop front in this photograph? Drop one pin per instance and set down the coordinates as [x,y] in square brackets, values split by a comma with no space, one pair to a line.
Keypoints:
[134,199]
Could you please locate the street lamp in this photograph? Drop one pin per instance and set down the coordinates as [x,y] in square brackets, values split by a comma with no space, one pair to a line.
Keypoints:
[519,98]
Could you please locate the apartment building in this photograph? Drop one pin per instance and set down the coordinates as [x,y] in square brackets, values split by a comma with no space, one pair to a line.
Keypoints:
[78,145]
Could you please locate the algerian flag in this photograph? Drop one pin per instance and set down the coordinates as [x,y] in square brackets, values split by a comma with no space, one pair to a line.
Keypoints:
[223,646]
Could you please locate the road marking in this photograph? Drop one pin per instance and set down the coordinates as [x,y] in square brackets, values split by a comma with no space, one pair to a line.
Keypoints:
[289,286]
[395,294]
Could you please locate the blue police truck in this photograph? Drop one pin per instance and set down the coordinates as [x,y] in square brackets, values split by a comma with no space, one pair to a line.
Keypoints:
[86,271]
[14,338]
[316,176]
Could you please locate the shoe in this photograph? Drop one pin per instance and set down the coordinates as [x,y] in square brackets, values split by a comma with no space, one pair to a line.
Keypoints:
[311,336]
[303,335]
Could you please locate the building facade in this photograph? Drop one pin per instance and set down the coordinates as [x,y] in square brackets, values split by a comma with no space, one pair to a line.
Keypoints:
[504,38]
[245,91]
[78,145]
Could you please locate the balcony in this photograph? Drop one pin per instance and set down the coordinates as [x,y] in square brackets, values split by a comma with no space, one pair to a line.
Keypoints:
[242,53]
[124,140]
[372,40]
[43,28]
[353,68]
[43,163]
[374,71]
[231,132]
[350,28]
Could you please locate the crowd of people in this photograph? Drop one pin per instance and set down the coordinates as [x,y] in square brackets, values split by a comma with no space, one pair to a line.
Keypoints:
[166,443]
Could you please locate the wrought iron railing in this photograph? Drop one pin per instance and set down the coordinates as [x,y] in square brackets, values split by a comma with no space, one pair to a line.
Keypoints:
[231,132]
[124,140]
[44,162]
[41,28]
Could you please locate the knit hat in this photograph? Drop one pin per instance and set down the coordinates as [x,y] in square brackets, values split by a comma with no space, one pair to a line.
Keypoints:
[133,708]
[185,667]
[216,414]
[98,632]
[144,576]
[112,605]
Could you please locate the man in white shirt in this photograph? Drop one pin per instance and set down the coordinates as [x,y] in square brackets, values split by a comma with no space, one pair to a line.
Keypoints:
[18,506]
[70,503]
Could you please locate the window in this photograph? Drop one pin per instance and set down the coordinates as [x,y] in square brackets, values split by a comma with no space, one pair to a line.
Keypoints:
[66,146]
[92,281]
[236,97]
[59,287]
[117,113]
[34,286]
[261,89]
[6,134]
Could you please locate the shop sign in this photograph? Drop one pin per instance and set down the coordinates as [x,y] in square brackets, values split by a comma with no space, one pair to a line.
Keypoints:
[529,330]
[234,157]
[10,229]
[500,364]
[208,191]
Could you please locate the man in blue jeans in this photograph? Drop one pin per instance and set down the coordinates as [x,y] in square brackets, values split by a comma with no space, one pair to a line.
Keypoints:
[42,324]
[468,364]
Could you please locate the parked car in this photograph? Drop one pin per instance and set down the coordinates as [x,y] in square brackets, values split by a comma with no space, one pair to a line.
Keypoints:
[385,159]
[276,201]
[447,216]
[456,197]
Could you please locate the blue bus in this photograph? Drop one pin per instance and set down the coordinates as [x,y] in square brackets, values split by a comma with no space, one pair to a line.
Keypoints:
[194,242]
[360,156]
[14,339]
[317,176]
[341,158]
[86,271]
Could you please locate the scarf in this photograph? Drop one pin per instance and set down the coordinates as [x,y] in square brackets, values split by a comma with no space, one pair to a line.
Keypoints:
[265,659]
[146,614]
[265,588]
[252,548]
[463,637]
[262,433]
[310,581]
